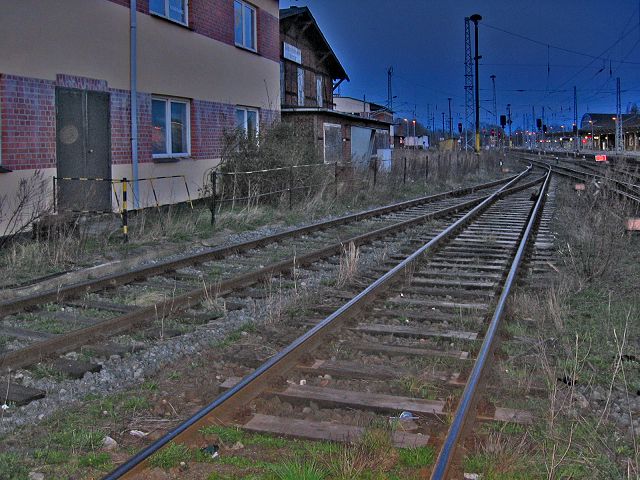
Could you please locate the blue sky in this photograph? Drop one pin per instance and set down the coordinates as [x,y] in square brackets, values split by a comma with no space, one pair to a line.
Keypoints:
[424,42]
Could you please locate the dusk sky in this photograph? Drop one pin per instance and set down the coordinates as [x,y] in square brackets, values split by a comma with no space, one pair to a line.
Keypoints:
[424,42]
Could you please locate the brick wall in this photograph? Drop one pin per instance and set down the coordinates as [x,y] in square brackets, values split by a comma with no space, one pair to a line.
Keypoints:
[215,19]
[268,36]
[142,6]
[268,117]
[209,121]
[121,127]
[82,83]
[28,122]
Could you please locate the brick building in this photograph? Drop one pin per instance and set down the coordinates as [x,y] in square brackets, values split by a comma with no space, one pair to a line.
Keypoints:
[203,66]
[309,73]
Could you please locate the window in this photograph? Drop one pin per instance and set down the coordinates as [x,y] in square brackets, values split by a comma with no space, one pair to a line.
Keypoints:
[247,121]
[244,25]
[319,90]
[175,10]
[300,87]
[170,136]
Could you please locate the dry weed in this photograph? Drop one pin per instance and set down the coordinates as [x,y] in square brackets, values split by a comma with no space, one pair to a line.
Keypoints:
[348,264]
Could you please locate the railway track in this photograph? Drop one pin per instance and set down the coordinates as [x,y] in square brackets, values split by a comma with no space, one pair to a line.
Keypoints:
[441,296]
[616,181]
[173,297]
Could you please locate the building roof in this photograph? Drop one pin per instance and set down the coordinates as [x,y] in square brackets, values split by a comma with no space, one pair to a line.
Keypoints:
[373,106]
[303,15]
[605,121]
[344,115]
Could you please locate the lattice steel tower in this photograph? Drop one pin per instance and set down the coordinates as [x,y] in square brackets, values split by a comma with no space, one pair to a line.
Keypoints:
[619,136]
[469,104]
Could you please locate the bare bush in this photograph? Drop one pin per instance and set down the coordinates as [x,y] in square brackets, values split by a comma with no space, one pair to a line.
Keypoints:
[278,160]
[596,232]
[29,203]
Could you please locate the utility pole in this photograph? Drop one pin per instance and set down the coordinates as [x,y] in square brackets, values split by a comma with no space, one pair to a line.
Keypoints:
[389,92]
[450,120]
[509,121]
[495,104]
[443,134]
[468,86]
[534,125]
[544,136]
[427,123]
[576,127]
[619,137]
[475,18]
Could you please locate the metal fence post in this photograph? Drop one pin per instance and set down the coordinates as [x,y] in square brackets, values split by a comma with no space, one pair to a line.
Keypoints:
[125,220]
[55,196]
[213,196]
[404,171]
[426,168]
[290,187]
[335,174]
[375,171]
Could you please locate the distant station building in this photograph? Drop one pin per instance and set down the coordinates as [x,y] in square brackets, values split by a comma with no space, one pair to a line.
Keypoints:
[202,67]
[598,131]
[310,72]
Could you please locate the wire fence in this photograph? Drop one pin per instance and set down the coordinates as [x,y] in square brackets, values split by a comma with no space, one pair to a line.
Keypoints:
[120,195]
[293,184]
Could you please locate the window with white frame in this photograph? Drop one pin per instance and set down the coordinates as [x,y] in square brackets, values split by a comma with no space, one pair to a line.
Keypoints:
[247,121]
[170,121]
[319,87]
[300,87]
[175,10]
[244,25]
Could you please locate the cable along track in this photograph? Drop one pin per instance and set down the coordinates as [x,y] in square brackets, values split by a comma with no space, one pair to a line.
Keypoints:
[432,302]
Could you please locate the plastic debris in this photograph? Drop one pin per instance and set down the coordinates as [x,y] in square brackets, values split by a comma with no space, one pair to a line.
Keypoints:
[138,433]
[212,450]
[5,407]
[406,416]
[303,382]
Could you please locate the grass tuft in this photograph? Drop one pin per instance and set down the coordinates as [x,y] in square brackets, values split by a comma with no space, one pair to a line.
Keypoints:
[170,456]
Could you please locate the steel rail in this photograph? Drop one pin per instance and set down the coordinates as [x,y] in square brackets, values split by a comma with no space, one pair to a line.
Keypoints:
[575,174]
[250,386]
[594,173]
[8,307]
[77,338]
[469,396]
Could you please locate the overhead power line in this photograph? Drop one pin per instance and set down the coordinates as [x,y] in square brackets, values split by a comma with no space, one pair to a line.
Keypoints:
[567,50]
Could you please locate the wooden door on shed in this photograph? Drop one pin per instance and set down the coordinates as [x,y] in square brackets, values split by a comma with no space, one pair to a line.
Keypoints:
[83,146]
[332,143]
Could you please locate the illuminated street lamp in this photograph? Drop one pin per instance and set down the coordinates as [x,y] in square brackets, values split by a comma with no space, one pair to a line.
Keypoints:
[593,147]
[414,134]
[406,131]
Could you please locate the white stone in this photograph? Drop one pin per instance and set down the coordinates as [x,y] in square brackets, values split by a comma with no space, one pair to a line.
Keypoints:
[109,443]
